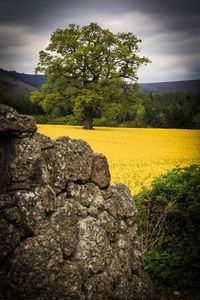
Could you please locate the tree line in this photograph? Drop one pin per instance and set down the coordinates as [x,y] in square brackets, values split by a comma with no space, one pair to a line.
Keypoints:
[172,110]
[148,110]
[20,102]
[134,109]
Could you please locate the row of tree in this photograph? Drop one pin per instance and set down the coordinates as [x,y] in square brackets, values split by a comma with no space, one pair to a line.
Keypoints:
[20,102]
[172,110]
[132,109]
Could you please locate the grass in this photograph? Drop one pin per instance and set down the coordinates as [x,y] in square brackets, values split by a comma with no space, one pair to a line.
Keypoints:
[136,155]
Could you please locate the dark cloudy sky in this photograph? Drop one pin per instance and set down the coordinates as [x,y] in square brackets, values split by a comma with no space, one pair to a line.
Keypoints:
[169,29]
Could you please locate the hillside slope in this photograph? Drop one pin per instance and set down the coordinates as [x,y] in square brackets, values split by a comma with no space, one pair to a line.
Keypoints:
[15,86]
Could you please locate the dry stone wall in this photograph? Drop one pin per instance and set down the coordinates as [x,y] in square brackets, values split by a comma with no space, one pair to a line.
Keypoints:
[65,232]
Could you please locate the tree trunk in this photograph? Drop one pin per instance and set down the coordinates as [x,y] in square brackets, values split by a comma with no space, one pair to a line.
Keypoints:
[88,122]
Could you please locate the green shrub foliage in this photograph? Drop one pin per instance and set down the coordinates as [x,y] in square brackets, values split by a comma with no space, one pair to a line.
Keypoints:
[169,225]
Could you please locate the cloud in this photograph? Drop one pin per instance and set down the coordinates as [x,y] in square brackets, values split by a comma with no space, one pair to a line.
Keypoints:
[171,68]
[43,12]
[169,31]
[10,36]
[19,48]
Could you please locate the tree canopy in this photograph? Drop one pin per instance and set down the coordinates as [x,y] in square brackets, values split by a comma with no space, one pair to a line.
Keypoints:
[86,69]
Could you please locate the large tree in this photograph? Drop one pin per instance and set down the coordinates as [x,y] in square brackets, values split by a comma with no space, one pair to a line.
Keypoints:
[86,68]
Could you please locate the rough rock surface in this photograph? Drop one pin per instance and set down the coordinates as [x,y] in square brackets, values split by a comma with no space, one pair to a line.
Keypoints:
[65,232]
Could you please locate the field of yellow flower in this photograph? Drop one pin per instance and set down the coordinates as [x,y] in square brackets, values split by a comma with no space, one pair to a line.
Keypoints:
[136,155]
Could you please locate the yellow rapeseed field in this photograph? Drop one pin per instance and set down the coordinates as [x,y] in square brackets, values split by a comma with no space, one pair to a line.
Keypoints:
[136,155]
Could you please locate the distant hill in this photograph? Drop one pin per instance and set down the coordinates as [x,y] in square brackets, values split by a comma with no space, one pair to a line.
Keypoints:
[173,86]
[20,83]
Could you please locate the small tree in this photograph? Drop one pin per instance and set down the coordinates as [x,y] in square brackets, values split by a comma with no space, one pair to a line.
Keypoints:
[85,67]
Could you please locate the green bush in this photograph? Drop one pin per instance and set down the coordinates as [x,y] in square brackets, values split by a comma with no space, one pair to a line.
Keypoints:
[40,119]
[101,122]
[168,218]
[67,120]
[172,269]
